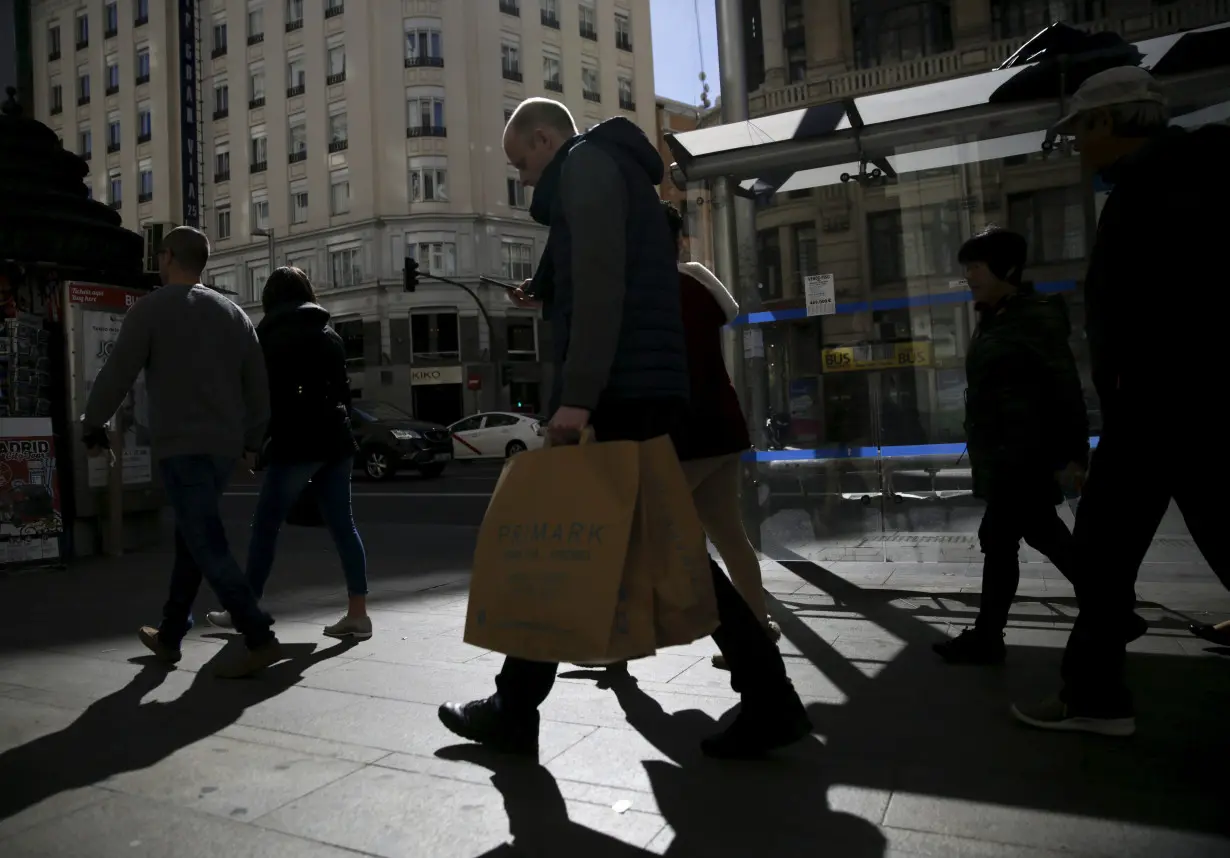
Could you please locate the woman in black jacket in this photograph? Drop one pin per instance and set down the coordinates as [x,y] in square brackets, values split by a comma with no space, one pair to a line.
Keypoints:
[310,446]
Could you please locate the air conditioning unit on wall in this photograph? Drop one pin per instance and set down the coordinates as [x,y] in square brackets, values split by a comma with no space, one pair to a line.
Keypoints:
[154,233]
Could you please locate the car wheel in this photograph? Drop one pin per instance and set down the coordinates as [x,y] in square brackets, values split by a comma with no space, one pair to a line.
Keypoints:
[431,471]
[377,464]
[513,448]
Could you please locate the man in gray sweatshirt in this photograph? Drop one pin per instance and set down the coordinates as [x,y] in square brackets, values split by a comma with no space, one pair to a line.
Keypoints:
[209,406]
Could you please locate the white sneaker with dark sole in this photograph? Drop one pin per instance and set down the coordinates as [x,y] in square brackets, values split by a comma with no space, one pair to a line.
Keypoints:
[358,628]
[1054,714]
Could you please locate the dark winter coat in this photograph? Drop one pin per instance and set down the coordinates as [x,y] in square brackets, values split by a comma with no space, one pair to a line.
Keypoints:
[715,425]
[1024,410]
[1157,295]
[309,390]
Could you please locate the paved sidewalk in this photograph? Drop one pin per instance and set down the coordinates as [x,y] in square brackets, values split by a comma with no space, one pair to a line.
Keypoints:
[338,751]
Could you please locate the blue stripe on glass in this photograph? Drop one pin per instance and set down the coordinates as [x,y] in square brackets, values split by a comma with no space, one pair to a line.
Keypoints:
[893,452]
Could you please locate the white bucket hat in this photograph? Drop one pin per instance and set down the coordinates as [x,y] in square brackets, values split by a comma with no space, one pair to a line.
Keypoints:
[1120,85]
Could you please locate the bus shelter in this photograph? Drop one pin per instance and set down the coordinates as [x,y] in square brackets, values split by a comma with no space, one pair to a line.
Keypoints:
[863,318]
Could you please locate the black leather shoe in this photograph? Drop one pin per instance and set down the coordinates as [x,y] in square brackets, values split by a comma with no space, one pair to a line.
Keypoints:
[484,722]
[757,730]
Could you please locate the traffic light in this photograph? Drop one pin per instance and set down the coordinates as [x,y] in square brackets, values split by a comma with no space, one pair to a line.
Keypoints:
[410,274]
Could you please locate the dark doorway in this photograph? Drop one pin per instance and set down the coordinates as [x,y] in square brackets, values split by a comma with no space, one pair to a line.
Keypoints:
[437,403]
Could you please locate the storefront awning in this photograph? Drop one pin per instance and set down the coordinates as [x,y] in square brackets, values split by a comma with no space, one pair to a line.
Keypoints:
[1194,68]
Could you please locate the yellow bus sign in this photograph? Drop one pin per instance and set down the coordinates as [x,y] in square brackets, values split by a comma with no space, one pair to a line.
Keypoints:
[877,356]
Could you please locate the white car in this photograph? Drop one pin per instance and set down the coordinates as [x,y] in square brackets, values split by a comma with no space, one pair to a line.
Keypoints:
[496,434]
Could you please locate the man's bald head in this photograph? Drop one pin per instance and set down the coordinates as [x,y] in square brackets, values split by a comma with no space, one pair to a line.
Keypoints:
[534,133]
[183,256]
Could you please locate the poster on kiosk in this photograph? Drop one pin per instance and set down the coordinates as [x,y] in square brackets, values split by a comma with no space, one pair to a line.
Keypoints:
[95,313]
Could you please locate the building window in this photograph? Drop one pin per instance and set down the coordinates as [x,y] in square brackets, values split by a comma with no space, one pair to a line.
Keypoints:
[903,32]
[53,43]
[510,59]
[591,89]
[552,78]
[796,64]
[428,179]
[296,77]
[627,101]
[425,113]
[115,189]
[145,181]
[517,197]
[297,138]
[917,242]
[260,210]
[517,260]
[769,257]
[260,149]
[339,134]
[339,192]
[549,13]
[83,86]
[305,262]
[511,7]
[1015,19]
[223,218]
[111,20]
[435,335]
[219,42]
[145,122]
[114,137]
[256,86]
[336,64]
[112,75]
[294,15]
[806,255]
[143,64]
[81,29]
[222,99]
[344,268]
[258,273]
[434,257]
[588,20]
[85,142]
[57,98]
[1052,221]
[521,335]
[256,23]
[298,201]
[223,281]
[333,8]
[623,31]
[222,161]
[424,46]
[140,16]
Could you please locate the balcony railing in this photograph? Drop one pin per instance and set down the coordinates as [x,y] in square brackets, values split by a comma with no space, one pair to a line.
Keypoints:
[112,148]
[256,38]
[626,103]
[219,51]
[258,167]
[57,109]
[111,33]
[296,157]
[116,204]
[510,7]
[145,138]
[297,24]
[553,85]
[140,21]
[145,198]
[588,31]
[419,62]
[427,131]
[513,74]
[112,89]
[142,78]
[82,44]
[85,156]
[335,10]
[623,41]
[339,145]
[292,91]
[83,100]
[549,20]
[53,56]
[254,103]
[222,176]
[222,113]
[590,95]
[336,77]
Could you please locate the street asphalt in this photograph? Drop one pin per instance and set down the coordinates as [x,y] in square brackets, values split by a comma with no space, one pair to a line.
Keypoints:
[337,751]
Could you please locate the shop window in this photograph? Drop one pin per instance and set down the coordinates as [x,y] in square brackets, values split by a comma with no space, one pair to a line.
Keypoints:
[522,341]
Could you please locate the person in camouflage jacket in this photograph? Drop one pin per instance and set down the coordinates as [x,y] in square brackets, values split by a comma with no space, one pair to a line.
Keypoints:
[1027,432]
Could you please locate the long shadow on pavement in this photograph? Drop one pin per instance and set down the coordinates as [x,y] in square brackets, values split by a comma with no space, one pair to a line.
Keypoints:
[119,733]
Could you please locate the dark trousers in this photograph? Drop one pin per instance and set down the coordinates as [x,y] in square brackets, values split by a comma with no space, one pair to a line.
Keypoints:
[756,667]
[1008,520]
[1121,507]
[194,486]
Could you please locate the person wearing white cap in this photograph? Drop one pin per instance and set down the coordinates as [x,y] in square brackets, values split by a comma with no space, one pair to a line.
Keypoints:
[1155,290]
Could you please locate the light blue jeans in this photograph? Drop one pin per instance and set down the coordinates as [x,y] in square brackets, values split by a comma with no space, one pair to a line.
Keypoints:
[282,487]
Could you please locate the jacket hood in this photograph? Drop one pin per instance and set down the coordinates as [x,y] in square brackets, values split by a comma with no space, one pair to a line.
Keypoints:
[294,315]
[706,278]
[622,133]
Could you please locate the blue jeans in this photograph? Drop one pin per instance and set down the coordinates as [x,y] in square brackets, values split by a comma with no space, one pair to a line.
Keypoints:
[282,487]
[194,485]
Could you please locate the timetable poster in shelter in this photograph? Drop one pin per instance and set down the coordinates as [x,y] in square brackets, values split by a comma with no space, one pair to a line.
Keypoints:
[30,518]
[100,329]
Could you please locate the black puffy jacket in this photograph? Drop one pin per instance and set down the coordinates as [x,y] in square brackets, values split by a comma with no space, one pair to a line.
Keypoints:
[309,390]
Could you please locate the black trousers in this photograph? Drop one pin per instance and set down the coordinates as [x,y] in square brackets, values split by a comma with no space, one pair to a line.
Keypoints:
[1009,519]
[1121,507]
[756,666]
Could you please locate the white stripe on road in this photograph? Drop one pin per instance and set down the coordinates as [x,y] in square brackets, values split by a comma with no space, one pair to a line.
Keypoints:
[384,494]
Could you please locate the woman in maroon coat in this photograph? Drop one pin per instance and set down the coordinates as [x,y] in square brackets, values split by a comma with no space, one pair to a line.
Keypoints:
[714,435]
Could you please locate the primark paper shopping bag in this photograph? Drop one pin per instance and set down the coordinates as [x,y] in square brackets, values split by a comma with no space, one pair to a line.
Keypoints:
[685,607]
[551,552]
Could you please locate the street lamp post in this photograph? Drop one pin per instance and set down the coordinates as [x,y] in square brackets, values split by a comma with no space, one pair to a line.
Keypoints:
[268,233]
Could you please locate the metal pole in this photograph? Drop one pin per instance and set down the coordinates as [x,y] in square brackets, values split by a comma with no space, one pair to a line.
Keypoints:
[272,264]
[735,253]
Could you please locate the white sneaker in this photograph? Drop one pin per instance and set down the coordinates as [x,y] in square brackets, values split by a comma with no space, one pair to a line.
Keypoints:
[221,619]
[359,628]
